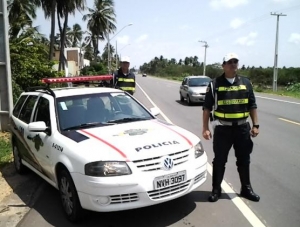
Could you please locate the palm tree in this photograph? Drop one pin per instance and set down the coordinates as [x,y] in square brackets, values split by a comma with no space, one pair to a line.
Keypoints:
[49,8]
[64,8]
[21,14]
[101,21]
[75,35]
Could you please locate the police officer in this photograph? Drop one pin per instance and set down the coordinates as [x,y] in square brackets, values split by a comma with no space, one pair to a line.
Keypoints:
[124,79]
[228,102]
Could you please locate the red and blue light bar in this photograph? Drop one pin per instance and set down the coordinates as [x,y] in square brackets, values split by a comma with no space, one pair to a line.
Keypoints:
[76,79]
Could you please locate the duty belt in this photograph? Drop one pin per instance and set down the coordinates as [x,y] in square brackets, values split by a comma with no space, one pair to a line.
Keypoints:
[233,123]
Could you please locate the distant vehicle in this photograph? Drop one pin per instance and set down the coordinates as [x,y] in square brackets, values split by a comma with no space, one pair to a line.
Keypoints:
[193,89]
[102,149]
[144,74]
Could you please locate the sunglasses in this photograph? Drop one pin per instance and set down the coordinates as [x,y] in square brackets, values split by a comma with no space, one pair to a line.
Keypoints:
[234,61]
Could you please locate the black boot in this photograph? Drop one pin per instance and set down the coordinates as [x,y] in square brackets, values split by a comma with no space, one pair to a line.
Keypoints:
[217,176]
[246,189]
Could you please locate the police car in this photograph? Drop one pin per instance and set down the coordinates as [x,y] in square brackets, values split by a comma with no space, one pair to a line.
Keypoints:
[102,149]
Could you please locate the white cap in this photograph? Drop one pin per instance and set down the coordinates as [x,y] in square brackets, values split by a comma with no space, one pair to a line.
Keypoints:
[230,56]
[125,59]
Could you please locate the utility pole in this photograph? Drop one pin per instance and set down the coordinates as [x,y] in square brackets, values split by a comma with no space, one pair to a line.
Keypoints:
[204,64]
[275,73]
[6,98]
[116,54]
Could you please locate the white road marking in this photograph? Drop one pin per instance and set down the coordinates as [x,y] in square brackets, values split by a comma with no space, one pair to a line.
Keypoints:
[238,202]
[292,122]
[278,100]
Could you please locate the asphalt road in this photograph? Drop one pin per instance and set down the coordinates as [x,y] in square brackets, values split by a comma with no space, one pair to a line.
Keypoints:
[275,173]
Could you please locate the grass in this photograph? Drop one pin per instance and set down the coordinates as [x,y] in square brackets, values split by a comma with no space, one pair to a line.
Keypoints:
[5,149]
[281,92]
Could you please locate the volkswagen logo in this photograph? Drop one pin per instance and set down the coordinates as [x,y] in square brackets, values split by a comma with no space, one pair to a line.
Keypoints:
[167,163]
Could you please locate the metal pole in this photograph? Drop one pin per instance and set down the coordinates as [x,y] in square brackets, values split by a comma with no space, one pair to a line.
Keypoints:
[275,73]
[204,63]
[204,69]
[108,54]
[6,97]
[116,54]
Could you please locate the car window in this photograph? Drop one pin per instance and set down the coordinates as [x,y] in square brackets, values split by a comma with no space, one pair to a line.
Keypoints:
[43,111]
[19,105]
[103,107]
[195,82]
[27,109]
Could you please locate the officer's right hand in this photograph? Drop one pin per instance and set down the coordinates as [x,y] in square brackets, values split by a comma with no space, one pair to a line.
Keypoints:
[206,134]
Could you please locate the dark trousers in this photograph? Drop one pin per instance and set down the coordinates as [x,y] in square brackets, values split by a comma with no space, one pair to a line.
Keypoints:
[224,138]
[237,136]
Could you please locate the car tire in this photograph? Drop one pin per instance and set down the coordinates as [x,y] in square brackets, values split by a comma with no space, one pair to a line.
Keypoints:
[69,197]
[181,97]
[188,99]
[20,168]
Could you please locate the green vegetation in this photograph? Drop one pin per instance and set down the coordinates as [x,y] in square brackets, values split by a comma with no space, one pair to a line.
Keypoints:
[5,149]
[288,78]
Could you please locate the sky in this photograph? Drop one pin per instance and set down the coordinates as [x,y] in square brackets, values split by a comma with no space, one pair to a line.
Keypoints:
[173,29]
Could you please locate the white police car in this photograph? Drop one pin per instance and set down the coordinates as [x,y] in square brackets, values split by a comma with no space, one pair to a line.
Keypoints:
[102,149]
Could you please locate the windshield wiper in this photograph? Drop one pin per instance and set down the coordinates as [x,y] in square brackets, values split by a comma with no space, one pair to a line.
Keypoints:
[128,119]
[88,125]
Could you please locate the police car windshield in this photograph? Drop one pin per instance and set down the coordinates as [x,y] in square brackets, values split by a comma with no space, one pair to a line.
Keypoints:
[199,82]
[98,110]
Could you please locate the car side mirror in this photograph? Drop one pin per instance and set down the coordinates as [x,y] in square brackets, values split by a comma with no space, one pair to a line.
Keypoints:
[38,126]
[154,111]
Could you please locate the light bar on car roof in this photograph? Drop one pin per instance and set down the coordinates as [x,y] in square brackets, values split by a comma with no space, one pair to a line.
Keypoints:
[76,79]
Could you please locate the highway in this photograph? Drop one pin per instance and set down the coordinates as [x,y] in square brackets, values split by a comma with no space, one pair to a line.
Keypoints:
[275,171]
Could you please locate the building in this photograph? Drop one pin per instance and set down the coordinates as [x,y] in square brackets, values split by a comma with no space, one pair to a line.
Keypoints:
[75,60]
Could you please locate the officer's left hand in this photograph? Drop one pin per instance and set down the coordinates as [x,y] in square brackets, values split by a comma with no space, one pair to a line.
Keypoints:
[254,131]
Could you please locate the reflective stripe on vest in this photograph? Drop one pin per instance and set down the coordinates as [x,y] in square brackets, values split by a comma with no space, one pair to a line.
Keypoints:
[233,88]
[128,88]
[126,79]
[232,102]
[231,115]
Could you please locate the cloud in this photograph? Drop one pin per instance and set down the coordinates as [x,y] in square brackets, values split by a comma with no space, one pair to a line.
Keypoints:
[123,39]
[294,38]
[185,27]
[235,23]
[141,38]
[218,4]
[248,40]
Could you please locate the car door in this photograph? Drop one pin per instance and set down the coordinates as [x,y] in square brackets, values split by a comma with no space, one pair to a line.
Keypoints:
[185,87]
[20,123]
[41,142]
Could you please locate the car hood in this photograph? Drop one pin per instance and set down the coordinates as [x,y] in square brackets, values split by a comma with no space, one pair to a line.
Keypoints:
[134,141]
[199,89]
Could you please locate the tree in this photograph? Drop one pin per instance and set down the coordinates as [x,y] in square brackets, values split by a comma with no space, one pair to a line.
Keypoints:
[64,8]
[21,14]
[100,22]
[75,35]
[29,61]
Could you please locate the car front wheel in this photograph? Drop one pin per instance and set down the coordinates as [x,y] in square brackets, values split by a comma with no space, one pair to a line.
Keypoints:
[181,97]
[188,99]
[69,197]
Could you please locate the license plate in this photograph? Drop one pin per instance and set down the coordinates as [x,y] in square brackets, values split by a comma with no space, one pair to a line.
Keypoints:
[169,180]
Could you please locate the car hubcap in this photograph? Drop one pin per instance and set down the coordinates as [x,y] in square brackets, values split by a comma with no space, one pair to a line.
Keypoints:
[16,158]
[66,195]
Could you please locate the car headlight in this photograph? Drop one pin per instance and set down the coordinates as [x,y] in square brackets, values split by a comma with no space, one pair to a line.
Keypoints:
[107,169]
[199,150]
